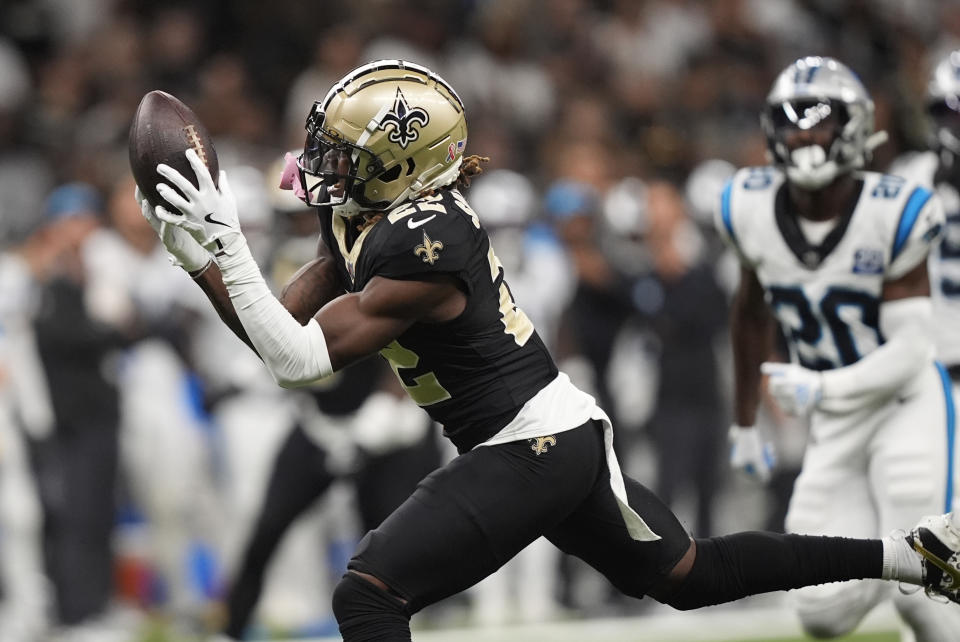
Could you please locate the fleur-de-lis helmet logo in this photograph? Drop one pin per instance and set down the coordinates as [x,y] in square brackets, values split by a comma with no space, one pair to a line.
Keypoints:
[402,119]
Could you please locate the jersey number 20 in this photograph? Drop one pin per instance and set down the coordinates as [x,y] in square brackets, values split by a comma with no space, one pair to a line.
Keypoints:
[809,330]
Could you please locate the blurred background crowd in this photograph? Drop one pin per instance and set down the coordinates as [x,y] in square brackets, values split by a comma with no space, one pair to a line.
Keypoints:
[147,461]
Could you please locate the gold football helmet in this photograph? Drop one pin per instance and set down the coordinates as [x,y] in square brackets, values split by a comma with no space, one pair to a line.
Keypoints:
[384,133]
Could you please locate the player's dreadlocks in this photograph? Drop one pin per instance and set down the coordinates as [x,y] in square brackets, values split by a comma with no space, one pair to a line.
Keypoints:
[470,167]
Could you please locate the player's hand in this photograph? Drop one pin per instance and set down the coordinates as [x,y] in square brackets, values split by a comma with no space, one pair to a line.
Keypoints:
[797,390]
[183,249]
[750,454]
[209,214]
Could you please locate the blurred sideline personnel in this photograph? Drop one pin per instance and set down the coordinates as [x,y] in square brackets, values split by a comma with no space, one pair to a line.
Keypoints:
[406,268]
[840,257]
[78,466]
[26,415]
[939,169]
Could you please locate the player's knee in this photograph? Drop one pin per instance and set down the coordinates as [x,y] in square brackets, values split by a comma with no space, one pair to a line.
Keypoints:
[833,610]
[367,612]
[631,589]
[911,482]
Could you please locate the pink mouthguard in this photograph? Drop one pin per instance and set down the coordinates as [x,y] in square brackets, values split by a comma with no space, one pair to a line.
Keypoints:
[290,177]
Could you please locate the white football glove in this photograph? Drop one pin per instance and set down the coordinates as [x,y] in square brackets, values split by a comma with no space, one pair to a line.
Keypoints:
[797,390]
[750,454]
[182,249]
[209,214]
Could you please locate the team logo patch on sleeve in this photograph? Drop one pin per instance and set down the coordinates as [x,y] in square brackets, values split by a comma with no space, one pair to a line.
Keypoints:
[429,249]
[868,261]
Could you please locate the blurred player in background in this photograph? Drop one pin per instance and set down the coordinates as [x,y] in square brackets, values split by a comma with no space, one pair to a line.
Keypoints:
[406,268]
[939,169]
[839,256]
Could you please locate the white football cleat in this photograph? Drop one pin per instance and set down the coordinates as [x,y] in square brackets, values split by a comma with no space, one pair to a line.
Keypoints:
[937,540]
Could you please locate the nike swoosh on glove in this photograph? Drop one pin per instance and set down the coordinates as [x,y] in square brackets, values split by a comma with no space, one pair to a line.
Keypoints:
[209,214]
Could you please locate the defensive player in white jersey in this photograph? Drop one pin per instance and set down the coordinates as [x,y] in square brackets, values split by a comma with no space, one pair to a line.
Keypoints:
[838,257]
[939,169]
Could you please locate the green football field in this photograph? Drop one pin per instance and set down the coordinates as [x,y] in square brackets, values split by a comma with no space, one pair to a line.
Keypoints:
[865,637]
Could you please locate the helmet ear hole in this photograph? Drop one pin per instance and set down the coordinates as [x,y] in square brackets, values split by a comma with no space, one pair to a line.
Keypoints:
[390,175]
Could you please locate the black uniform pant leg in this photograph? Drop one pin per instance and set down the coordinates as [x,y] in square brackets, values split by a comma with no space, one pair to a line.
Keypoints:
[385,481]
[596,533]
[299,476]
[467,519]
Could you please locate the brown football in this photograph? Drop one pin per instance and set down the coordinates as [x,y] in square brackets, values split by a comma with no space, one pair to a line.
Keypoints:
[162,130]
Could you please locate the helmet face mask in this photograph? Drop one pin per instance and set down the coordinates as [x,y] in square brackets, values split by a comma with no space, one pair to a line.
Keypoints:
[329,164]
[384,133]
[819,94]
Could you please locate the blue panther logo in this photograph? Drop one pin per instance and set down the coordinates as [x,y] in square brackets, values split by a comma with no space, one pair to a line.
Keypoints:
[402,119]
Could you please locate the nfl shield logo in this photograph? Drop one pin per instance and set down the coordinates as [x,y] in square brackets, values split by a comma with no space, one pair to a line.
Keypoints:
[868,261]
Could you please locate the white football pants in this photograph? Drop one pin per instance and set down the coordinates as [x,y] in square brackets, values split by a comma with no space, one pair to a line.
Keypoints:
[866,474]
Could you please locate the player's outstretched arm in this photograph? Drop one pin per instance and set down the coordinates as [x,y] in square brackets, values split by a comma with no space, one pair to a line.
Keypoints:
[348,328]
[208,223]
[211,282]
[186,252]
[313,285]
[357,324]
[906,321]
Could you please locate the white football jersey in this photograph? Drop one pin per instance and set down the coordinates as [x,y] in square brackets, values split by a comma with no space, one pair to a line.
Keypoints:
[944,258]
[826,297]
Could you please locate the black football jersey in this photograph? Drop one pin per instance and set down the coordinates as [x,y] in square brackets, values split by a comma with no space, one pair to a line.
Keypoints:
[471,374]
